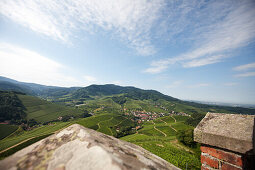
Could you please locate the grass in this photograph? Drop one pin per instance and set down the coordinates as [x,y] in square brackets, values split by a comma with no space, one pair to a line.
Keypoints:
[6,130]
[44,111]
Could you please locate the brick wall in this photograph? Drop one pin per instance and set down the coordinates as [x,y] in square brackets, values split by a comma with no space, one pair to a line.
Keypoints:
[214,158]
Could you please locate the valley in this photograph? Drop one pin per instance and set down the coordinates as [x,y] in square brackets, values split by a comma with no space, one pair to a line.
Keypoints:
[159,123]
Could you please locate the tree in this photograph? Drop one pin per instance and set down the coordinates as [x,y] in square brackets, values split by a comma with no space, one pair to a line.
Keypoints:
[186,137]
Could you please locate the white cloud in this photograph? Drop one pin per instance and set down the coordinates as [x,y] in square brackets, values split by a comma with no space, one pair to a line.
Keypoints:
[130,20]
[247,74]
[28,66]
[245,67]
[157,67]
[90,79]
[220,27]
[203,61]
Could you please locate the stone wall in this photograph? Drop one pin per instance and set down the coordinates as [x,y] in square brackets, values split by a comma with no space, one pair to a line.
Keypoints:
[78,148]
[227,141]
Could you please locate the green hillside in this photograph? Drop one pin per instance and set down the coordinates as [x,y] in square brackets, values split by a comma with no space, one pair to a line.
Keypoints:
[18,108]
[159,137]
[6,130]
[120,95]
[111,124]
[18,139]
[44,111]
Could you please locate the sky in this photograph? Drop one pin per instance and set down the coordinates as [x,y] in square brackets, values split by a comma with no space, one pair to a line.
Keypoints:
[189,49]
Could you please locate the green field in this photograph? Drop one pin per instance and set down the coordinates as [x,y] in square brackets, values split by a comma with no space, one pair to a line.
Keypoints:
[25,135]
[6,130]
[44,111]
[106,123]
[159,137]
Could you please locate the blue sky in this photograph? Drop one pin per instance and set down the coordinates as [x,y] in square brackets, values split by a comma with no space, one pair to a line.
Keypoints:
[195,50]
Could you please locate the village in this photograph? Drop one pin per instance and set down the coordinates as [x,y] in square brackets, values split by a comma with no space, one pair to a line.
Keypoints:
[142,116]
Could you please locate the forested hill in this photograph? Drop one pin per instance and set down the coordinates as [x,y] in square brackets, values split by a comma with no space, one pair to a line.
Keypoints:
[130,92]
[118,94]
[34,89]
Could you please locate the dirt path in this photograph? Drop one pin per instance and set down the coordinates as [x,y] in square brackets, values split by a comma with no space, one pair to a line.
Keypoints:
[17,144]
[32,138]
[158,130]
[98,124]
[174,119]
[12,133]
[169,125]
[176,143]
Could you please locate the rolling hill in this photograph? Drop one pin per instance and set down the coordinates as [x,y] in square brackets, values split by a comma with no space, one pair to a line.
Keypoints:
[122,97]
[147,118]
[18,106]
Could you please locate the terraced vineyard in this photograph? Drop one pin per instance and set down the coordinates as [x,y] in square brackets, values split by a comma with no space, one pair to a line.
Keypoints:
[106,123]
[6,130]
[21,136]
[43,111]
[159,137]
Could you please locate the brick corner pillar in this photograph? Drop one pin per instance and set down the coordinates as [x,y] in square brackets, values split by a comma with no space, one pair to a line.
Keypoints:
[227,141]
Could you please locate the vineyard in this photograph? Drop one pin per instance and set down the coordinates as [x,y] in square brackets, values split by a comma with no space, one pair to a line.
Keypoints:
[6,130]
[110,124]
[21,136]
[159,137]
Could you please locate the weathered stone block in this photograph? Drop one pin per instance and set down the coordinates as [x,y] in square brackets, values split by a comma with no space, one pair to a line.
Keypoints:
[233,132]
[77,148]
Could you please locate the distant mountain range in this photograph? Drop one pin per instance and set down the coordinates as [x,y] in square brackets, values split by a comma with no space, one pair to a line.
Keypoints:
[117,94]
[252,106]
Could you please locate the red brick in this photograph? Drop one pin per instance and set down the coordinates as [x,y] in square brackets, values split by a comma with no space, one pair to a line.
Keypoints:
[223,155]
[210,162]
[225,166]
[204,168]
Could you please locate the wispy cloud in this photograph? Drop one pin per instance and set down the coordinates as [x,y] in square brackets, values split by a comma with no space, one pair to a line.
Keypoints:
[175,84]
[245,67]
[247,74]
[26,65]
[199,85]
[220,28]
[230,84]
[203,61]
[132,21]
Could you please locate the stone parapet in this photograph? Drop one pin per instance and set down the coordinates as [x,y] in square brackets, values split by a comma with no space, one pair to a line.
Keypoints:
[77,148]
[227,141]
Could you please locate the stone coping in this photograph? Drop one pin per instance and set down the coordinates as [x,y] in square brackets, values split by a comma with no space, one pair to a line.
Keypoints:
[77,147]
[233,132]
